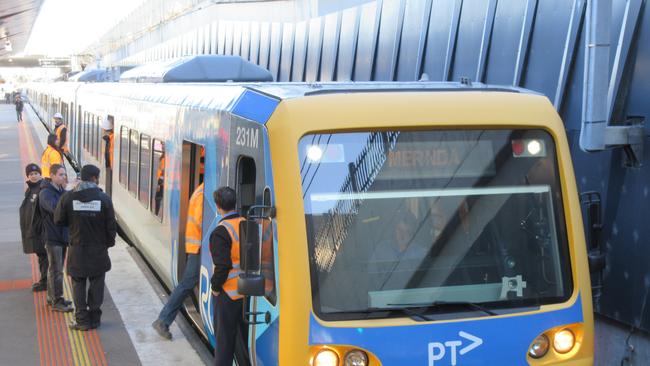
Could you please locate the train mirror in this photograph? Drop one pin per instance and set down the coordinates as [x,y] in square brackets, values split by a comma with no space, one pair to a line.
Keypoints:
[251,281]
[592,203]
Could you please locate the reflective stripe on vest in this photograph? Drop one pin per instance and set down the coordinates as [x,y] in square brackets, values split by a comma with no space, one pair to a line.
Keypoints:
[193,229]
[230,286]
[58,130]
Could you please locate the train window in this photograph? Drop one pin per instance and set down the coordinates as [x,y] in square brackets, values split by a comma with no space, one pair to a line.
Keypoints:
[133,163]
[245,184]
[85,131]
[145,166]
[158,169]
[268,257]
[91,130]
[124,154]
[98,137]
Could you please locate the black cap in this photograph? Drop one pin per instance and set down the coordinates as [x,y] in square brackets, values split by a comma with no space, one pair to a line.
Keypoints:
[32,168]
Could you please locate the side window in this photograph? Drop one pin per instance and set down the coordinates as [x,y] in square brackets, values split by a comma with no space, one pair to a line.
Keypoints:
[145,167]
[133,162]
[158,175]
[85,131]
[268,258]
[98,137]
[124,154]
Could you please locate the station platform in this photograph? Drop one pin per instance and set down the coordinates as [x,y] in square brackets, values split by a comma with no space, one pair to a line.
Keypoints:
[31,334]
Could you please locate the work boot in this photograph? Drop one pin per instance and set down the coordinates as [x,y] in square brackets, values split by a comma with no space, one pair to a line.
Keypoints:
[39,286]
[62,306]
[162,329]
[66,302]
[74,325]
[95,319]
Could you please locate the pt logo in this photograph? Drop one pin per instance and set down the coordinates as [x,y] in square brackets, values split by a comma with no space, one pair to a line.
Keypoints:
[438,350]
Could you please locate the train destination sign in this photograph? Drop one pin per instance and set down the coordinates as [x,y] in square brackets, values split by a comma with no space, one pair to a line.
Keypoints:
[440,159]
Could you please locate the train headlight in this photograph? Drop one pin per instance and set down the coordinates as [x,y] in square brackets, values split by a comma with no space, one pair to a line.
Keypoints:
[326,357]
[356,358]
[539,347]
[564,340]
[314,153]
[534,147]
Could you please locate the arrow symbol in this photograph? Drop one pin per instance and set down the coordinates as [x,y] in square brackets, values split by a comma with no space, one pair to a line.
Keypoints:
[476,341]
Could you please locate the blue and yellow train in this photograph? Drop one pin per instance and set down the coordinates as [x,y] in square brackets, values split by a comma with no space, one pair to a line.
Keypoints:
[390,223]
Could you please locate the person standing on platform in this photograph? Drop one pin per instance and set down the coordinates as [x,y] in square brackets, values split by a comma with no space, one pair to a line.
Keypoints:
[19,108]
[193,237]
[51,156]
[55,236]
[31,224]
[89,214]
[107,126]
[229,327]
[61,132]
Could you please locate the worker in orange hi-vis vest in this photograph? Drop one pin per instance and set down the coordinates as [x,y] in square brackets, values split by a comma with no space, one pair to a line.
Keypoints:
[50,156]
[61,131]
[107,126]
[229,326]
[193,236]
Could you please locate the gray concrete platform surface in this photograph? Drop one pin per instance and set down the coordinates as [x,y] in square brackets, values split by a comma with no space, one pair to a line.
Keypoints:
[31,334]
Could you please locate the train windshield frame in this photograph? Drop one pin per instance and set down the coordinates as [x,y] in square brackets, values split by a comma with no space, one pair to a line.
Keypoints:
[419,218]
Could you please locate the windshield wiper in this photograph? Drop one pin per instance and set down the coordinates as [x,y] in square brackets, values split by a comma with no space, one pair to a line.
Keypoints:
[408,311]
[435,304]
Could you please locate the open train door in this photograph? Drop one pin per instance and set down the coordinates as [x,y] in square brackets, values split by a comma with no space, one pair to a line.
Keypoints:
[253,193]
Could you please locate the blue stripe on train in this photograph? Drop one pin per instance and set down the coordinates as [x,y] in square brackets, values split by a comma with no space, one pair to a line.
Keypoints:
[255,106]
[486,341]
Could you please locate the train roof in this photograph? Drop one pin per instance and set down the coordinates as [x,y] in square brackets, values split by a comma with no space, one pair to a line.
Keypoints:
[230,96]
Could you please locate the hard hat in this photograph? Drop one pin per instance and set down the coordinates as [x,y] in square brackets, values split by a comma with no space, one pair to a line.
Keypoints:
[106,124]
[58,115]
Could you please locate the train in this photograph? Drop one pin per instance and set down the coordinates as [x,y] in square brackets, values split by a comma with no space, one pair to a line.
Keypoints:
[418,223]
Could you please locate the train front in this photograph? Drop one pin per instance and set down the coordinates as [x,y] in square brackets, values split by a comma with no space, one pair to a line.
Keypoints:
[428,228]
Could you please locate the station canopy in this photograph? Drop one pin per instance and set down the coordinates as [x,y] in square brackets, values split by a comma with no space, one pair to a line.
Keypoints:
[193,69]
[94,75]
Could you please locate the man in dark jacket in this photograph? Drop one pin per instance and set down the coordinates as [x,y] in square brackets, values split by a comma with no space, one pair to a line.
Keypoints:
[19,108]
[230,331]
[90,216]
[55,236]
[31,225]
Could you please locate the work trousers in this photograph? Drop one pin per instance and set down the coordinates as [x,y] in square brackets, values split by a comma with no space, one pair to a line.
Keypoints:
[42,267]
[230,331]
[185,287]
[55,258]
[87,304]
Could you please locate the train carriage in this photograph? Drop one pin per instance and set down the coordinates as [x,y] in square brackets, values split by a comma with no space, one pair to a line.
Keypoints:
[389,223]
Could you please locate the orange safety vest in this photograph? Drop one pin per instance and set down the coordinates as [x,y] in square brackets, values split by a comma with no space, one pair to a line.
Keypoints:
[193,230]
[232,226]
[50,156]
[110,149]
[58,130]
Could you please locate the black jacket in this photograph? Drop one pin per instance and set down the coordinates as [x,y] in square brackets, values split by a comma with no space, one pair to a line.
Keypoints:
[48,197]
[31,224]
[89,213]
[220,247]
[19,105]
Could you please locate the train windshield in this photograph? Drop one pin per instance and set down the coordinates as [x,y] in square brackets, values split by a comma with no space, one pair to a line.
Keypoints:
[404,219]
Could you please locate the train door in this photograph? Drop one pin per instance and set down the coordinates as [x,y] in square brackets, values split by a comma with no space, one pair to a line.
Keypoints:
[108,177]
[191,217]
[250,184]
